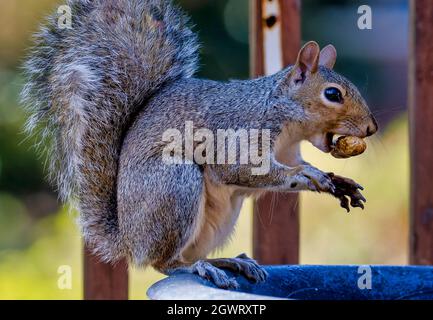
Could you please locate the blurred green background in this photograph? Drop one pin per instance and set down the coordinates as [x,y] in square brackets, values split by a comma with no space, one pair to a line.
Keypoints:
[37,235]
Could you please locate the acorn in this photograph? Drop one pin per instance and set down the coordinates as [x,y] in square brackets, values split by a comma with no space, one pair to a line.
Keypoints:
[348,146]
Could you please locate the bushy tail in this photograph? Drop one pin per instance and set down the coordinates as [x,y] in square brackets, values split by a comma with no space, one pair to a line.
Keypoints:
[85,83]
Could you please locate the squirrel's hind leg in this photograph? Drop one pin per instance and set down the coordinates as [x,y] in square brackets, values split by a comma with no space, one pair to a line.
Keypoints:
[158,209]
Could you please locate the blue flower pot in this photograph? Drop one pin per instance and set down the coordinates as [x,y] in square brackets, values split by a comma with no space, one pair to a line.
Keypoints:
[308,282]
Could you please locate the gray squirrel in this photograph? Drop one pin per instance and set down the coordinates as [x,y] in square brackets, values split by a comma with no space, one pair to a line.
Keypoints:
[103,92]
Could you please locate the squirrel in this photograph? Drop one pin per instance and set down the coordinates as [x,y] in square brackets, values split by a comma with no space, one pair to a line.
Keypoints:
[102,93]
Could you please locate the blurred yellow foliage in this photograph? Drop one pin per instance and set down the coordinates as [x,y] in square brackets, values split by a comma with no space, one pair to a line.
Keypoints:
[18,20]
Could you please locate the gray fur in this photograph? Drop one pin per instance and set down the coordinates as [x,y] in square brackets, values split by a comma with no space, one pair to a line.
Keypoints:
[84,85]
[104,93]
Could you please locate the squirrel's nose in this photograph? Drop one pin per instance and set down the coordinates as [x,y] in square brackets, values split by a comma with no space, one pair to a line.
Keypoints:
[372,127]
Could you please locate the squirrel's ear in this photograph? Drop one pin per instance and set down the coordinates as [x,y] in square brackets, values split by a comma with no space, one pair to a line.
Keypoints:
[328,56]
[308,57]
[308,61]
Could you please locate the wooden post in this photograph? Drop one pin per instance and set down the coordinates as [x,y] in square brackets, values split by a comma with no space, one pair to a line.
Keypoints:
[421,132]
[275,42]
[104,281]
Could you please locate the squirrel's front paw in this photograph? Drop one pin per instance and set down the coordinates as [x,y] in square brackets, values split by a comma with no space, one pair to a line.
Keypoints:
[311,178]
[346,189]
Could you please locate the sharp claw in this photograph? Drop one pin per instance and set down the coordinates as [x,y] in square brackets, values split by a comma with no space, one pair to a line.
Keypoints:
[344,203]
[316,184]
[358,196]
[355,204]
[234,284]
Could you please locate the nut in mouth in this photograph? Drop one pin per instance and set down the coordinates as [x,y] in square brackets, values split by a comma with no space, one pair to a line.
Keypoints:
[325,141]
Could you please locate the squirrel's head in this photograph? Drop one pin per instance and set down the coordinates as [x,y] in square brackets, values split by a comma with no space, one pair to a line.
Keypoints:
[331,104]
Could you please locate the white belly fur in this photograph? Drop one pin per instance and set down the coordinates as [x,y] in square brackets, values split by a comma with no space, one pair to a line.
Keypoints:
[221,205]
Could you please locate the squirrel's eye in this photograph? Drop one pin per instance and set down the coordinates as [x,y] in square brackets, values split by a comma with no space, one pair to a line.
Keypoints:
[333,95]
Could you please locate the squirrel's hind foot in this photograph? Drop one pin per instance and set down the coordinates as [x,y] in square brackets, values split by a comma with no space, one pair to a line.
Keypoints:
[211,269]
[243,265]
[208,271]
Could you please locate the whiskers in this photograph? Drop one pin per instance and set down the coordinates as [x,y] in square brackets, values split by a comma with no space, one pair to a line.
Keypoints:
[351,125]
[386,111]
